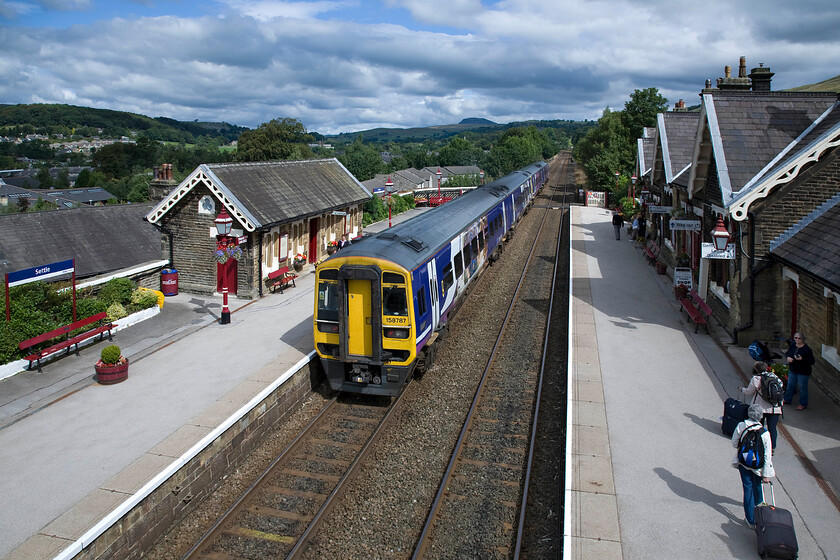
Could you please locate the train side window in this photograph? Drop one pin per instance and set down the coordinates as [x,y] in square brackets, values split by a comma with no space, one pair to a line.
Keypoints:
[467,254]
[475,246]
[492,228]
[459,265]
[447,277]
[481,241]
[421,301]
[394,302]
[328,301]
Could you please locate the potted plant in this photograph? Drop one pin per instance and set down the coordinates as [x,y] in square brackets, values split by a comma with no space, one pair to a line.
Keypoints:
[660,267]
[781,371]
[112,366]
[680,291]
[332,247]
[299,262]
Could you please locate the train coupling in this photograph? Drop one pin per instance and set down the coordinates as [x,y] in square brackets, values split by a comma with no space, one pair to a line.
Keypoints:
[360,374]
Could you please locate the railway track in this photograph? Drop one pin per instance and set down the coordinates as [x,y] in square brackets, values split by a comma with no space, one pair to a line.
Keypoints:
[274,517]
[486,483]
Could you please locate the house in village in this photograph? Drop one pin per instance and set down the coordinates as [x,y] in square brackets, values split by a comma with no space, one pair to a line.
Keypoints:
[279,209]
[766,164]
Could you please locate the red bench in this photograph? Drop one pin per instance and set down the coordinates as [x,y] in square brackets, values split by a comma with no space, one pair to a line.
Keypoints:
[697,310]
[67,341]
[651,252]
[281,278]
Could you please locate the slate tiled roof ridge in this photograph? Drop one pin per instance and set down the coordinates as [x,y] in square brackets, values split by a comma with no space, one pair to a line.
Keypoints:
[777,94]
[806,221]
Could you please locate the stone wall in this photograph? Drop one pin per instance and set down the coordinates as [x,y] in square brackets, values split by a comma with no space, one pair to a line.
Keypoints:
[811,321]
[142,527]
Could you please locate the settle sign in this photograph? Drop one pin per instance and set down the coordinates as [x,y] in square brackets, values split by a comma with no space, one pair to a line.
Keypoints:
[40,273]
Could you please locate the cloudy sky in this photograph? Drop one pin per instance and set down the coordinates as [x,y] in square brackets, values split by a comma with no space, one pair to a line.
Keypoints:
[348,65]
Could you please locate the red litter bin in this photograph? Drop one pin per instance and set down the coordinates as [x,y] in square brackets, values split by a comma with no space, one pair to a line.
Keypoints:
[169,282]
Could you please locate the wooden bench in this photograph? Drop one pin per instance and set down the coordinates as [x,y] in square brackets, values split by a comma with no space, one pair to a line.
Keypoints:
[281,278]
[697,310]
[66,341]
[651,252]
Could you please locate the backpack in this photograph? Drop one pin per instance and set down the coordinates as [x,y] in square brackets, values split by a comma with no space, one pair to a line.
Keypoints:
[751,448]
[758,351]
[772,389]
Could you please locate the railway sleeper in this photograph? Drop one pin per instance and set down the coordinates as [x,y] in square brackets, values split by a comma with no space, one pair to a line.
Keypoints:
[266,511]
[478,463]
[484,447]
[314,476]
[244,532]
[340,444]
[319,459]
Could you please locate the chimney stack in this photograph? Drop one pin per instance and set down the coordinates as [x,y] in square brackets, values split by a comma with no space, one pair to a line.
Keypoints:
[742,67]
[761,78]
[742,82]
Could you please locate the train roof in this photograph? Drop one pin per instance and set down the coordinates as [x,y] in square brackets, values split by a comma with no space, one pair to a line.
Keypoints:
[410,243]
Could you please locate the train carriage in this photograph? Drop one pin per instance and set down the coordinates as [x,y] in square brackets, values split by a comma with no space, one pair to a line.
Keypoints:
[382,301]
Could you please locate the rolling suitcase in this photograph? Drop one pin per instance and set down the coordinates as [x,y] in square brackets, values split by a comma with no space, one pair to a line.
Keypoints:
[774,530]
[734,412]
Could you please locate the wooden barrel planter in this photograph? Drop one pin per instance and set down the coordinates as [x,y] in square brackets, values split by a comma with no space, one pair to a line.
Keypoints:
[108,375]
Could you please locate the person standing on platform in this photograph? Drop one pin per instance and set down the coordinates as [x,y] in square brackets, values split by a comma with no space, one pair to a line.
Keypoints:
[618,223]
[752,478]
[800,358]
[343,242]
[752,394]
[635,228]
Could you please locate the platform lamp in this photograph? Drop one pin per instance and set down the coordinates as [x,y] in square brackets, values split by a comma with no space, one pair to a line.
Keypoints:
[633,189]
[438,173]
[720,235]
[389,188]
[481,175]
[224,223]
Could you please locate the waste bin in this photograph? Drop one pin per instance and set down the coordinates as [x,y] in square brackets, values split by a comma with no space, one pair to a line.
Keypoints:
[169,282]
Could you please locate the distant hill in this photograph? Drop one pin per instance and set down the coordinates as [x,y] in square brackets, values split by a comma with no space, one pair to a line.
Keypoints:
[441,132]
[64,119]
[831,84]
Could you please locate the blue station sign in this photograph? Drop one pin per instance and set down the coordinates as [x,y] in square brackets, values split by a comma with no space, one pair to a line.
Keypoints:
[40,272]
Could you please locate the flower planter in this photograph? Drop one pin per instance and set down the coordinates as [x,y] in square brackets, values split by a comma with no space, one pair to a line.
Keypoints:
[331,249]
[108,375]
[298,266]
[680,291]
[661,268]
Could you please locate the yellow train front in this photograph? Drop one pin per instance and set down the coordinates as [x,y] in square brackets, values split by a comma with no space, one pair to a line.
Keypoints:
[381,301]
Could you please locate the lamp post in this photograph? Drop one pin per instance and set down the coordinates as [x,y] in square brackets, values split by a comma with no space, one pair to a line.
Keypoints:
[224,223]
[720,235]
[481,175]
[389,188]
[438,173]
[633,191]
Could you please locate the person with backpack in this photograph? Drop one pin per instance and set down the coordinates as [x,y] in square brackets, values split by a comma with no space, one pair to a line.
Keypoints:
[766,390]
[800,358]
[753,459]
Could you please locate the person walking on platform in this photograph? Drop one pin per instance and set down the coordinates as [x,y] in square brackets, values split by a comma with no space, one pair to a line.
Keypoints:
[618,223]
[752,477]
[800,358]
[752,394]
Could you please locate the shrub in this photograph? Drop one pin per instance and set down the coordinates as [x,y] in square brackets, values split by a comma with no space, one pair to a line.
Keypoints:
[89,307]
[143,299]
[117,290]
[110,354]
[116,311]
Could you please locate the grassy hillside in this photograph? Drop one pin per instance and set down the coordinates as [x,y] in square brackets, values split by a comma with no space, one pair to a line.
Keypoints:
[831,84]
[85,121]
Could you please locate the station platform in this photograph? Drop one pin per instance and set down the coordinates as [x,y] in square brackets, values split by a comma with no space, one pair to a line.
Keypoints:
[651,473]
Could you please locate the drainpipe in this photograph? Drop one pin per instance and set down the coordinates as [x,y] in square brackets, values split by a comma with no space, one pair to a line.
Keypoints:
[259,266]
[749,324]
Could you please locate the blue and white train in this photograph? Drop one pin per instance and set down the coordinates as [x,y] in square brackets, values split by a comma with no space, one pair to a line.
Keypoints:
[382,301]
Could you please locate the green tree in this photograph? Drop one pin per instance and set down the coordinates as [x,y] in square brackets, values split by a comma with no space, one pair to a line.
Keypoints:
[45,180]
[63,181]
[514,149]
[278,139]
[641,110]
[460,152]
[362,160]
[604,150]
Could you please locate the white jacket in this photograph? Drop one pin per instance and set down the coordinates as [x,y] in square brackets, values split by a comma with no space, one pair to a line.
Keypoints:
[752,394]
[767,471]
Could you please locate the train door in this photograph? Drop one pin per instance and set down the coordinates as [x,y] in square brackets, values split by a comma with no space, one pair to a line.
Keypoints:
[359,318]
[431,271]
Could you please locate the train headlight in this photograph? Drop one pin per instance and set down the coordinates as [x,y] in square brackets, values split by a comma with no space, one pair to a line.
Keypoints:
[396,333]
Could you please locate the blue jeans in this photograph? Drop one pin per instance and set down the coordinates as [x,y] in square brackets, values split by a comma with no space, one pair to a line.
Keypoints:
[771,420]
[793,381]
[753,495]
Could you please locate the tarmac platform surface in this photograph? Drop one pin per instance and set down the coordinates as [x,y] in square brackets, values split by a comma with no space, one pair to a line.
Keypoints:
[651,473]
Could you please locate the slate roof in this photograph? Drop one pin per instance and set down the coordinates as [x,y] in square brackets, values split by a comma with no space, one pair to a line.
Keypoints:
[676,133]
[66,198]
[280,191]
[813,244]
[754,127]
[102,239]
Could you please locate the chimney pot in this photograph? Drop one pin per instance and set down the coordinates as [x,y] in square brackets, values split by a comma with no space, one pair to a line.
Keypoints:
[742,68]
[727,71]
